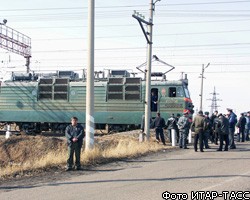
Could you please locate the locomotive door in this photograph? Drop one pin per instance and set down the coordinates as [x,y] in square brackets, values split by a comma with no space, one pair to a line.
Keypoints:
[154,100]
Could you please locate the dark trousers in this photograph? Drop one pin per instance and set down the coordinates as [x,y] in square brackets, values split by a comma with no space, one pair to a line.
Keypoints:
[223,137]
[231,138]
[205,139]
[74,148]
[159,131]
[216,137]
[177,135]
[198,136]
[242,134]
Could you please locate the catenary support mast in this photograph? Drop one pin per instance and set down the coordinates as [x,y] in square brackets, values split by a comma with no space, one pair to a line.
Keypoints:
[148,74]
[90,122]
[149,37]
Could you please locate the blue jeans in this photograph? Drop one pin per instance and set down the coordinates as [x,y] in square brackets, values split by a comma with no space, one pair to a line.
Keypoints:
[247,134]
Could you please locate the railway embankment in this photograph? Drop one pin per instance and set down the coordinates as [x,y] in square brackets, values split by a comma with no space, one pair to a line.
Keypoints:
[27,155]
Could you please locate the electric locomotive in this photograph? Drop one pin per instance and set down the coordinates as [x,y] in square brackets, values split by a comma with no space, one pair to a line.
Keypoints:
[36,103]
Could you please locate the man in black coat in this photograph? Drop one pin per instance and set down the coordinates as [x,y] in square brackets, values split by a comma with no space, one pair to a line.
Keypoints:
[159,124]
[74,134]
[223,131]
[241,126]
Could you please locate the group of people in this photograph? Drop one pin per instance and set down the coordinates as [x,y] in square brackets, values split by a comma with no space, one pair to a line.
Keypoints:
[180,124]
[217,128]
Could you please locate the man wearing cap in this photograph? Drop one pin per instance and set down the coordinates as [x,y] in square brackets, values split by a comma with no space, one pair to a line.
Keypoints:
[223,130]
[198,126]
[159,124]
[232,117]
[183,125]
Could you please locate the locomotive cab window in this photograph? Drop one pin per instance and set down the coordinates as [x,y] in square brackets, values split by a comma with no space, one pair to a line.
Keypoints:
[172,92]
[180,92]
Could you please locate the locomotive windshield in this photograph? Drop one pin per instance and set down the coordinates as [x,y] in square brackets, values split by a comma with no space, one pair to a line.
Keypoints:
[177,92]
[186,93]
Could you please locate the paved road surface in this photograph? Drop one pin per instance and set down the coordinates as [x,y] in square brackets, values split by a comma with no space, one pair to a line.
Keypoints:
[179,171]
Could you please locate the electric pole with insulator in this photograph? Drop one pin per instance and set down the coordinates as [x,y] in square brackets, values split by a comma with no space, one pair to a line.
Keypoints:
[202,77]
[149,37]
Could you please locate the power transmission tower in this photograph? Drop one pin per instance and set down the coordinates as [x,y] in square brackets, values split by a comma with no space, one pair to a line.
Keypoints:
[214,100]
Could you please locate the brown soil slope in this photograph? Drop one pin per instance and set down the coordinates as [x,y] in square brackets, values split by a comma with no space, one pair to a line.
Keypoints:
[19,149]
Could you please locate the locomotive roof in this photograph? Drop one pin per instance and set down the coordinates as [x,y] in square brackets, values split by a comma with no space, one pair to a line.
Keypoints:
[97,82]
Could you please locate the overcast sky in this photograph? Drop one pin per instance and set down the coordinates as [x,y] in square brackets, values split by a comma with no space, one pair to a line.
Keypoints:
[186,34]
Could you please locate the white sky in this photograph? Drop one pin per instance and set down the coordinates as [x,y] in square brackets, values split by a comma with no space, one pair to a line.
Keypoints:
[186,34]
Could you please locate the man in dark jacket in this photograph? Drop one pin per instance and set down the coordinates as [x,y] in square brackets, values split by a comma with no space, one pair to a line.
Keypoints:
[232,117]
[208,130]
[241,126]
[159,124]
[223,131]
[247,127]
[74,134]
[199,126]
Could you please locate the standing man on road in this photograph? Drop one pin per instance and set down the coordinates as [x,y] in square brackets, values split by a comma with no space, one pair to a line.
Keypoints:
[199,125]
[208,130]
[223,130]
[171,124]
[241,126]
[232,117]
[214,120]
[247,128]
[183,125]
[74,134]
[159,124]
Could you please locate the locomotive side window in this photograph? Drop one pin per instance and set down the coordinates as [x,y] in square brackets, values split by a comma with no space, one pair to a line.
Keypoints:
[172,92]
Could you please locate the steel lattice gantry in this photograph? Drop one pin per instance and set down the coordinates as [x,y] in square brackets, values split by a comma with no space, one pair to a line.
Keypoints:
[15,42]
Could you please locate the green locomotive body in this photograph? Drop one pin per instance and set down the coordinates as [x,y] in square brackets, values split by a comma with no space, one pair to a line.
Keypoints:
[49,103]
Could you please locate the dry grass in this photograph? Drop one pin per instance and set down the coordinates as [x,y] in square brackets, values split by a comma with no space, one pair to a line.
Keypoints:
[107,149]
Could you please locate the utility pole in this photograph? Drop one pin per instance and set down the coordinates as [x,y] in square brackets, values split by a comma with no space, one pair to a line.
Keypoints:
[202,77]
[90,121]
[149,37]
[148,74]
